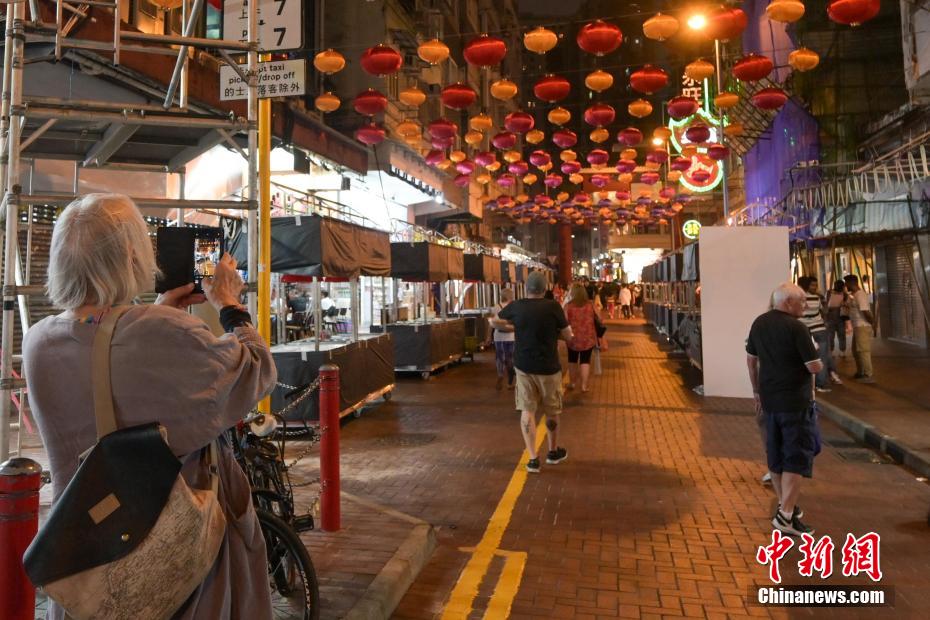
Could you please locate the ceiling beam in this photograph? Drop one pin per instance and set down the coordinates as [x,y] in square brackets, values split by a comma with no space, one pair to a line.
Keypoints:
[206,142]
[114,137]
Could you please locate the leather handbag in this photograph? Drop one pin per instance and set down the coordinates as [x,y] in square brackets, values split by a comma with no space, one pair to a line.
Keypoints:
[128,538]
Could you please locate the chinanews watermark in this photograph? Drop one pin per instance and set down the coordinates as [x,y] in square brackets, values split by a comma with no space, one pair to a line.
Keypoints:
[859,556]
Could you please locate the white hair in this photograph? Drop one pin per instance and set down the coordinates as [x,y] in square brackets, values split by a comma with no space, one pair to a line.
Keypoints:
[785,292]
[101,253]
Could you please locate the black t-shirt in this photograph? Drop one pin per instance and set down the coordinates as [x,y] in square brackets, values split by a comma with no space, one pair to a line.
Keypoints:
[537,323]
[297,304]
[783,345]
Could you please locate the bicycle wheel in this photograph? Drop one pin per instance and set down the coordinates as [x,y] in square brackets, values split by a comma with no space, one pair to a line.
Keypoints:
[295,593]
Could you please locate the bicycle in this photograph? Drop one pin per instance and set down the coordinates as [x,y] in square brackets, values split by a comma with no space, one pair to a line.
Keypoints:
[293,581]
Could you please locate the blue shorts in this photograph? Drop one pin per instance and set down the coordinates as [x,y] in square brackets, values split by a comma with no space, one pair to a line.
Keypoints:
[790,442]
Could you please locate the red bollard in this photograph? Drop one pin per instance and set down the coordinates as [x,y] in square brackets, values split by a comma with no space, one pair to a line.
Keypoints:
[329,448]
[20,480]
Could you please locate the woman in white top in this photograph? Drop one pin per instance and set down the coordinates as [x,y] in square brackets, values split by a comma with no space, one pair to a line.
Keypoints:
[503,344]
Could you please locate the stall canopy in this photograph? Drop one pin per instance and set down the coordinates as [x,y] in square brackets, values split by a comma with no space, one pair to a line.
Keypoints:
[492,267]
[456,264]
[311,245]
[422,261]
[482,268]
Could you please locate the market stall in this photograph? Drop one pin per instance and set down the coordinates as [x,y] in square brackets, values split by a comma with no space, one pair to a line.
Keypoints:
[311,251]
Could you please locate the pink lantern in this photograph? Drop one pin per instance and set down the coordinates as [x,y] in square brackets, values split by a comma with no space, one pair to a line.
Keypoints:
[700,175]
[518,168]
[506,180]
[443,144]
[598,157]
[631,136]
[434,157]
[752,67]
[442,129]
[519,122]
[649,178]
[600,180]
[667,192]
[599,115]
[462,180]
[553,180]
[504,140]
[581,198]
[571,167]
[680,163]
[625,166]
[540,158]
[542,200]
[657,156]
[370,134]
[564,138]
[682,107]
[466,166]
[698,133]
[622,195]
[717,152]
[485,158]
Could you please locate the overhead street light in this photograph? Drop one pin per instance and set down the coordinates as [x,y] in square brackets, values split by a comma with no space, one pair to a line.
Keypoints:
[697,22]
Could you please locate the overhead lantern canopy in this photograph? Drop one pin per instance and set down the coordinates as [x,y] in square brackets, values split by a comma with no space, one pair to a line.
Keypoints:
[412,96]
[370,102]
[599,115]
[484,51]
[381,60]
[785,11]
[769,98]
[552,88]
[726,23]
[458,96]
[329,61]
[699,70]
[503,89]
[327,102]
[433,51]
[853,12]
[803,59]
[639,108]
[660,27]
[752,67]
[649,79]
[682,107]
[559,116]
[599,81]
[540,40]
[599,37]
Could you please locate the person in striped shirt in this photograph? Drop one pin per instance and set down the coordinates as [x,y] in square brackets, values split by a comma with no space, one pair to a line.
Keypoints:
[813,319]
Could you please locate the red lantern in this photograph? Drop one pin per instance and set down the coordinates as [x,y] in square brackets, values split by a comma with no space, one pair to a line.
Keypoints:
[565,138]
[631,136]
[717,152]
[484,51]
[598,157]
[434,157]
[504,201]
[698,133]
[769,98]
[599,38]
[649,79]
[581,198]
[600,180]
[752,67]
[552,88]
[381,60]
[649,178]
[442,143]
[625,166]
[504,140]
[458,96]
[571,167]
[725,24]
[485,158]
[700,175]
[540,158]
[370,134]
[680,163]
[682,107]
[657,156]
[506,180]
[519,122]
[370,102]
[553,180]
[442,129]
[466,166]
[667,192]
[599,115]
[518,168]
[853,12]
[462,180]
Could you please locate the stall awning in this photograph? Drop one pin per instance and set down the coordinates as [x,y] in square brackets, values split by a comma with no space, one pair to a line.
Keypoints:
[420,261]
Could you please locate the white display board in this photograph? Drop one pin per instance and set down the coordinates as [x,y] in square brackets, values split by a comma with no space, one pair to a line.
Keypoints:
[276,78]
[280,23]
[740,267]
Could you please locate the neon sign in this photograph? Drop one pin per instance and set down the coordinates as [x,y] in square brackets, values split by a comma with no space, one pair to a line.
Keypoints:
[705,174]
[691,229]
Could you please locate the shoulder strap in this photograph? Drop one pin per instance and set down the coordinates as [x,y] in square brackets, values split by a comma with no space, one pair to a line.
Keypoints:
[100,372]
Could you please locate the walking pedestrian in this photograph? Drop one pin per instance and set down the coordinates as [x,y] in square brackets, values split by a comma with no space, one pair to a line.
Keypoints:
[626,302]
[781,359]
[503,343]
[836,319]
[612,295]
[538,325]
[860,315]
[581,315]
[813,319]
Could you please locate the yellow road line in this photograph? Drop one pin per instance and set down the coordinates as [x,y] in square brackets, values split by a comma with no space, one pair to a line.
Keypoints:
[507,585]
[466,589]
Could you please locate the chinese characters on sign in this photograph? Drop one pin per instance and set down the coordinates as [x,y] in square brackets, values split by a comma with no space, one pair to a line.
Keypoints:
[280,23]
[859,556]
[691,229]
[279,78]
[691,88]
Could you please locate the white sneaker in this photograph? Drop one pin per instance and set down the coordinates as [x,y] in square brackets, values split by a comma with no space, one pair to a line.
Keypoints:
[835,378]
[767,478]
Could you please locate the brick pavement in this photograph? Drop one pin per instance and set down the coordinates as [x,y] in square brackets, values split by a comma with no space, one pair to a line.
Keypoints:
[657,512]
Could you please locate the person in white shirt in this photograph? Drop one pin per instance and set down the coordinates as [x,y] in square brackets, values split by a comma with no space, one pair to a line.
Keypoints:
[863,322]
[626,302]
[503,343]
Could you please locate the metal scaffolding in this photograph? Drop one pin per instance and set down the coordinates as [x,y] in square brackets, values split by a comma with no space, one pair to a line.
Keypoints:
[49,114]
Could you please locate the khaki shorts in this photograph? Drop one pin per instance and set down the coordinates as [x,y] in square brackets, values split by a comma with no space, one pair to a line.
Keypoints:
[539,393]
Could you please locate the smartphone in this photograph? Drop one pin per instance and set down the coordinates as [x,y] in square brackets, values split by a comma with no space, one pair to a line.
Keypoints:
[186,255]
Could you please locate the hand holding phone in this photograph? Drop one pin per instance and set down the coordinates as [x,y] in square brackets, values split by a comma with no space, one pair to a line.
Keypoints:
[181,297]
[225,286]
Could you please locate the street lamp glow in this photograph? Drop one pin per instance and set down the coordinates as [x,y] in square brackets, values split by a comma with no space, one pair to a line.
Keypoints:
[658,141]
[697,22]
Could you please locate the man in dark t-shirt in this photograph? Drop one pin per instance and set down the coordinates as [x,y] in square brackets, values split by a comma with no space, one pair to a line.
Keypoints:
[538,323]
[782,361]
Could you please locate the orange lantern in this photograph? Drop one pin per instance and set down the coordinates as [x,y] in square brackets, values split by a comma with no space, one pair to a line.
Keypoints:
[530,178]
[576,178]
[503,89]
[562,197]
[512,156]
[540,40]
[534,136]
[803,59]
[407,129]
[626,177]
[545,167]
[726,100]
[484,178]
[662,133]
[660,27]
[559,116]
[457,156]
[412,96]
[494,166]
[599,81]
[568,155]
[480,122]
[444,164]
[473,137]
[688,150]
[329,61]
[433,51]
[599,135]
[640,108]
[734,130]
[628,154]
[786,11]
[699,70]
[674,176]
[327,102]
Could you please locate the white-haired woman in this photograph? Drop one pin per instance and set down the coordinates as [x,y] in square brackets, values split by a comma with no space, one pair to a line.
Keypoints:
[166,366]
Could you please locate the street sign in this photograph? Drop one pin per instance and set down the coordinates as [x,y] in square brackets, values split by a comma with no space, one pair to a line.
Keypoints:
[278,78]
[280,24]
